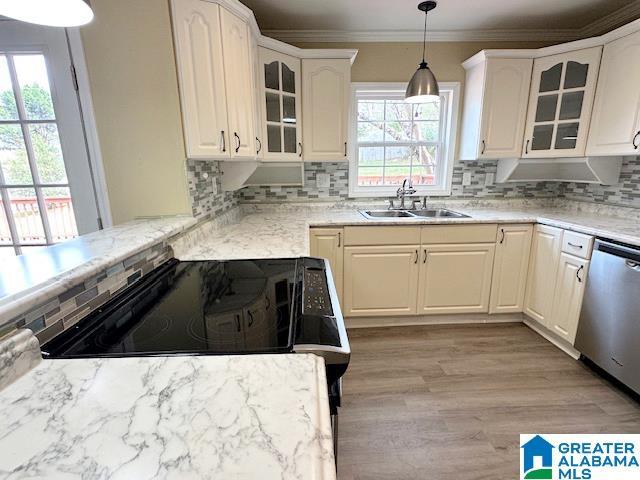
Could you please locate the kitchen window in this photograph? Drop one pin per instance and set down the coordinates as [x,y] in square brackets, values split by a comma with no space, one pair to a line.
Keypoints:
[393,140]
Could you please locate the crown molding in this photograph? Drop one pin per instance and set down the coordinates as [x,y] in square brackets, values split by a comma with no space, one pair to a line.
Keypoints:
[604,24]
[383,36]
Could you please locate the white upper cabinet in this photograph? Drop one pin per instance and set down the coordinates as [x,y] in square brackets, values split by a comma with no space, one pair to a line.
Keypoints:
[199,57]
[238,68]
[496,96]
[325,108]
[562,93]
[615,123]
[281,108]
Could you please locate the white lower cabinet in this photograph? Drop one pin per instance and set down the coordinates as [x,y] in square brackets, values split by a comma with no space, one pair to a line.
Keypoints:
[543,267]
[328,243]
[455,278]
[380,280]
[567,302]
[510,268]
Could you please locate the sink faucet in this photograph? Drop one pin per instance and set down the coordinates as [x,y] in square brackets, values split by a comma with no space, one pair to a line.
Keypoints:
[405,189]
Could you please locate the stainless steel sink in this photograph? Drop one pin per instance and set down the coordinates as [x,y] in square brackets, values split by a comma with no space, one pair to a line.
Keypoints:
[386,213]
[439,212]
[422,213]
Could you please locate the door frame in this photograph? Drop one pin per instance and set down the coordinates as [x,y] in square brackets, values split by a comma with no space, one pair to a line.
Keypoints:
[88,120]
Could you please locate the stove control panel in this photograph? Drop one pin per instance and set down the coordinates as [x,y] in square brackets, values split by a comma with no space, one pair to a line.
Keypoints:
[317,300]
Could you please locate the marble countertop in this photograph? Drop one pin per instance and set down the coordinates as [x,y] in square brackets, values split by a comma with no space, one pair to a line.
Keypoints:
[45,273]
[268,231]
[181,417]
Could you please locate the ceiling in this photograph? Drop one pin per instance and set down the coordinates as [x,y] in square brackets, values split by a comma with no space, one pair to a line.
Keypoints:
[313,19]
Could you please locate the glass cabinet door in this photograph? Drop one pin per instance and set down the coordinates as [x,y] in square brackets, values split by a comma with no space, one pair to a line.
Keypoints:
[558,110]
[281,106]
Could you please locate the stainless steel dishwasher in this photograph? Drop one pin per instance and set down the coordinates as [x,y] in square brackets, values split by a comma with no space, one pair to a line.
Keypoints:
[609,328]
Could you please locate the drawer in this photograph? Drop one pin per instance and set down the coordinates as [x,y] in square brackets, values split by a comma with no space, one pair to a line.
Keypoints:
[577,244]
[396,235]
[433,234]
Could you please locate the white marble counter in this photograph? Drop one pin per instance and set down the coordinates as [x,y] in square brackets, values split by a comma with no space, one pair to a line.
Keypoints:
[40,275]
[185,417]
[268,231]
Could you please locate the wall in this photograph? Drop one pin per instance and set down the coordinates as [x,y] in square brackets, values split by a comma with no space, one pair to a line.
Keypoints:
[130,61]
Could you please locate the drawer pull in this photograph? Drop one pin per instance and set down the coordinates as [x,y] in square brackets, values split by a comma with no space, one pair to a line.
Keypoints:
[574,245]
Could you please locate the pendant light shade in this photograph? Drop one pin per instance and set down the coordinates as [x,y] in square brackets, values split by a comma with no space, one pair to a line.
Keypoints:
[423,86]
[53,13]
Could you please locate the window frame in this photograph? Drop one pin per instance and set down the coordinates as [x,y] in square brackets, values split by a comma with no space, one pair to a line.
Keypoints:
[450,97]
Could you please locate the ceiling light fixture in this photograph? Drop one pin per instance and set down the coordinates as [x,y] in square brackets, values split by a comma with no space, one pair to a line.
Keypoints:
[53,13]
[423,86]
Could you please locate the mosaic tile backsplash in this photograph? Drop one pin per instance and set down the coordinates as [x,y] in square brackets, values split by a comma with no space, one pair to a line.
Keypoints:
[339,185]
[205,200]
[62,312]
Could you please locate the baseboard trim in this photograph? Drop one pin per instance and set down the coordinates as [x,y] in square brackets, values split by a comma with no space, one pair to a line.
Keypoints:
[457,319]
[551,337]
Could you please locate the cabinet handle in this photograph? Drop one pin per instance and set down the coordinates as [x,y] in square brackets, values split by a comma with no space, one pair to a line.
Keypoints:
[238,140]
[526,148]
[578,273]
[224,145]
[484,146]
[424,260]
[259,145]
[267,303]
[635,137]
[250,317]
[502,233]
[238,323]
[417,255]
[345,148]
[339,239]
[574,245]
[300,146]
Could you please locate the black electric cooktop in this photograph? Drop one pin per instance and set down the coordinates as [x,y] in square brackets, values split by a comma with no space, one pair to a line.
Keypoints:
[201,307]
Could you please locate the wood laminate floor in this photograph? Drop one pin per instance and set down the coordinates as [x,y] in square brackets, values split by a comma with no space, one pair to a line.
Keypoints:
[449,402]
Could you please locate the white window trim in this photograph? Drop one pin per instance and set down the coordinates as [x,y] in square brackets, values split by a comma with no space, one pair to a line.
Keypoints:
[449,140]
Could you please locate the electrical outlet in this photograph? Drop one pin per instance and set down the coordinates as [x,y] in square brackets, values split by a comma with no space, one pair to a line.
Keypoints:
[489,179]
[322,180]
[466,179]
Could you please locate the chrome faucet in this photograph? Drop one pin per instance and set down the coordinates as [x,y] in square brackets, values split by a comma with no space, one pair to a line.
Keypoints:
[405,189]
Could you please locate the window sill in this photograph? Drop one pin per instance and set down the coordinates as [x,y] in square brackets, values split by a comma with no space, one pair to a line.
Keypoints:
[392,192]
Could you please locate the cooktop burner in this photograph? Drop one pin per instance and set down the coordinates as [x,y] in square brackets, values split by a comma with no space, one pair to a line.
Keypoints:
[194,307]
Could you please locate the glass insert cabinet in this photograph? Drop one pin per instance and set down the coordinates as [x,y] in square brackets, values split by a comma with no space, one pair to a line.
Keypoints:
[562,93]
[280,82]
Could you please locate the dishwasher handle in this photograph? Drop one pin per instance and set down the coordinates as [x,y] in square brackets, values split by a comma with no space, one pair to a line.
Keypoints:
[631,254]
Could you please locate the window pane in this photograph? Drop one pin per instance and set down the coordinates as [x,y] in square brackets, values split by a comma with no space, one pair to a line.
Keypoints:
[398,155]
[546,109]
[273,107]
[48,153]
[427,111]
[426,155]
[396,175]
[289,109]
[370,156]
[542,137]
[397,132]
[26,214]
[550,79]
[571,105]
[369,176]
[5,233]
[370,132]
[34,86]
[566,136]
[426,131]
[13,156]
[62,220]
[288,79]
[576,75]
[8,110]
[272,76]
[397,110]
[7,252]
[290,140]
[273,138]
[370,111]
[423,175]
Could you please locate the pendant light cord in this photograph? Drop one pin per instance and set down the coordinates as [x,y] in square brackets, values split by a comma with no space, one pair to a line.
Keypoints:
[424,36]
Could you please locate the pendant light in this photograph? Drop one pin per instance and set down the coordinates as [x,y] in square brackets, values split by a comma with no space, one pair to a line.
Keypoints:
[423,86]
[53,13]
